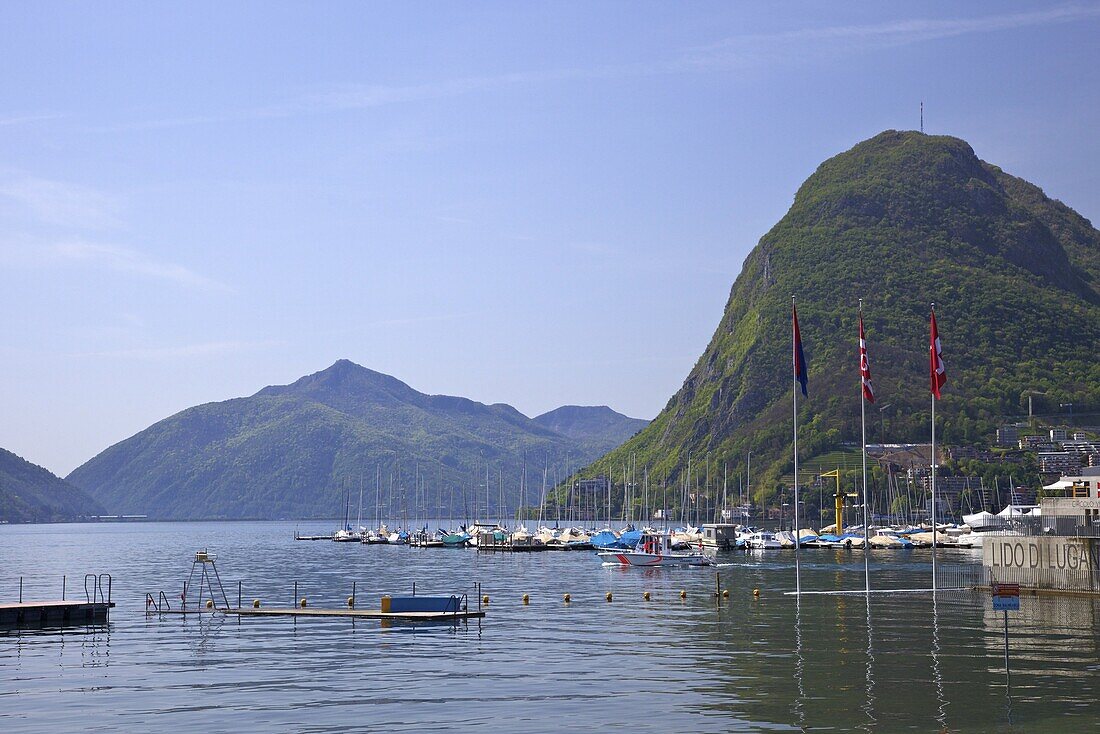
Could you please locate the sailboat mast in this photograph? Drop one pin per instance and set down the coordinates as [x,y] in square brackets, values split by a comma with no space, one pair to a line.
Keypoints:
[347,510]
[359,518]
[796,346]
[863,430]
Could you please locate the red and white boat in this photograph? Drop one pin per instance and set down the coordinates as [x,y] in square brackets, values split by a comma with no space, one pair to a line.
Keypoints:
[655,549]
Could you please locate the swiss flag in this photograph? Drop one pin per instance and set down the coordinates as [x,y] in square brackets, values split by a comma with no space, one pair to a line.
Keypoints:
[864,365]
[936,370]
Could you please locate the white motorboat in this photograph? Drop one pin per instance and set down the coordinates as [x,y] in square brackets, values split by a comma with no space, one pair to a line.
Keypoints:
[654,549]
[763,540]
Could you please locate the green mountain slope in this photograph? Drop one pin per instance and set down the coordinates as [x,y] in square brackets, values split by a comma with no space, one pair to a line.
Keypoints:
[297,450]
[29,493]
[900,220]
[597,426]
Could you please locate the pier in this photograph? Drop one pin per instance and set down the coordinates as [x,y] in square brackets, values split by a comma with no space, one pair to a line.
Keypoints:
[410,616]
[53,613]
[204,582]
[311,537]
[94,609]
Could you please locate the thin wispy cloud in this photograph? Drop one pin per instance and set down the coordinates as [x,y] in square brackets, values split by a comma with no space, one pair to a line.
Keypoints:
[337,98]
[750,49]
[736,51]
[60,203]
[11,119]
[130,261]
[184,351]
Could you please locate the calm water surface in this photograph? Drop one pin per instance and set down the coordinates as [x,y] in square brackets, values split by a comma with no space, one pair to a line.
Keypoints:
[901,662]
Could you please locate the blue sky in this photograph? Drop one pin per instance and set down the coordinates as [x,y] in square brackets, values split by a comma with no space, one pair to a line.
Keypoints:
[531,203]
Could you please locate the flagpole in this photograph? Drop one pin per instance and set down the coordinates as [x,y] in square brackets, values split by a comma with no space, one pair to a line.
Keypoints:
[794,393]
[933,493]
[932,349]
[863,427]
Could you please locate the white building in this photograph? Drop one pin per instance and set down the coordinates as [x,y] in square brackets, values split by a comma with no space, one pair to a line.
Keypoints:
[1089,477]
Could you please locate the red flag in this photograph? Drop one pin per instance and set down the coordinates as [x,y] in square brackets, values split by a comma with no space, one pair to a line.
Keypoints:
[864,365]
[935,359]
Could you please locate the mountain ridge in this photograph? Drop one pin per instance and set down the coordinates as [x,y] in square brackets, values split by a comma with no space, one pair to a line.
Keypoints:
[296,450]
[597,425]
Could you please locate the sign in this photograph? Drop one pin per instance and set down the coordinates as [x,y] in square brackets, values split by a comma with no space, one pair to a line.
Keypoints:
[1044,553]
[1006,597]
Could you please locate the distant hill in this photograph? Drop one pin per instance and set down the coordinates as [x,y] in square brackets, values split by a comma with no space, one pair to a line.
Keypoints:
[901,220]
[597,426]
[29,493]
[297,450]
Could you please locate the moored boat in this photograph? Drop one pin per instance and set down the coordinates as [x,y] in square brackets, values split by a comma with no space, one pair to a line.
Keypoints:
[654,549]
[762,540]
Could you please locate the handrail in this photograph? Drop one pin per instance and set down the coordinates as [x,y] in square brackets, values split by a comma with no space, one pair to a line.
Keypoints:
[460,605]
[159,604]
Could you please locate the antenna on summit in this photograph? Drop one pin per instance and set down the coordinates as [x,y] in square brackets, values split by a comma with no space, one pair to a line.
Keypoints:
[922,116]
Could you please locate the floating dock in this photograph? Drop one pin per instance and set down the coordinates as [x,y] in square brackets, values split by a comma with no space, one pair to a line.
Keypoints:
[53,613]
[457,616]
[510,548]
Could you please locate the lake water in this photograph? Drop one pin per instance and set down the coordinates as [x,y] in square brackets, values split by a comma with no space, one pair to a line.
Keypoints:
[901,662]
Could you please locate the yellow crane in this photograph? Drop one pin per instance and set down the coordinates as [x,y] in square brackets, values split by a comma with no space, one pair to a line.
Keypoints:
[838,498]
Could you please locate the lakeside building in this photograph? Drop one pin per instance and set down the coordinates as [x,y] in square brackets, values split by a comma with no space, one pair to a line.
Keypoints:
[1008,435]
[1055,547]
[1077,517]
[1059,462]
[1088,449]
[1037,443]
[949,492]
[1087,480]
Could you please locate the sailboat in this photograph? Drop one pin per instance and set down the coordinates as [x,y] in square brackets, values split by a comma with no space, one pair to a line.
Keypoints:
[346,534]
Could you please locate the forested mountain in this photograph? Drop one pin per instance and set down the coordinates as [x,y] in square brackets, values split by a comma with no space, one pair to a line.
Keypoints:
[597,426]
[901,220]
[29,493]
[298,450]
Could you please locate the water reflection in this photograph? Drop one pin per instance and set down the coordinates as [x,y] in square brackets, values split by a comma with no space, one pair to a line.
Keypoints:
[876,662]
[869,708]
[95,647]
[799,666]
[937,675]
